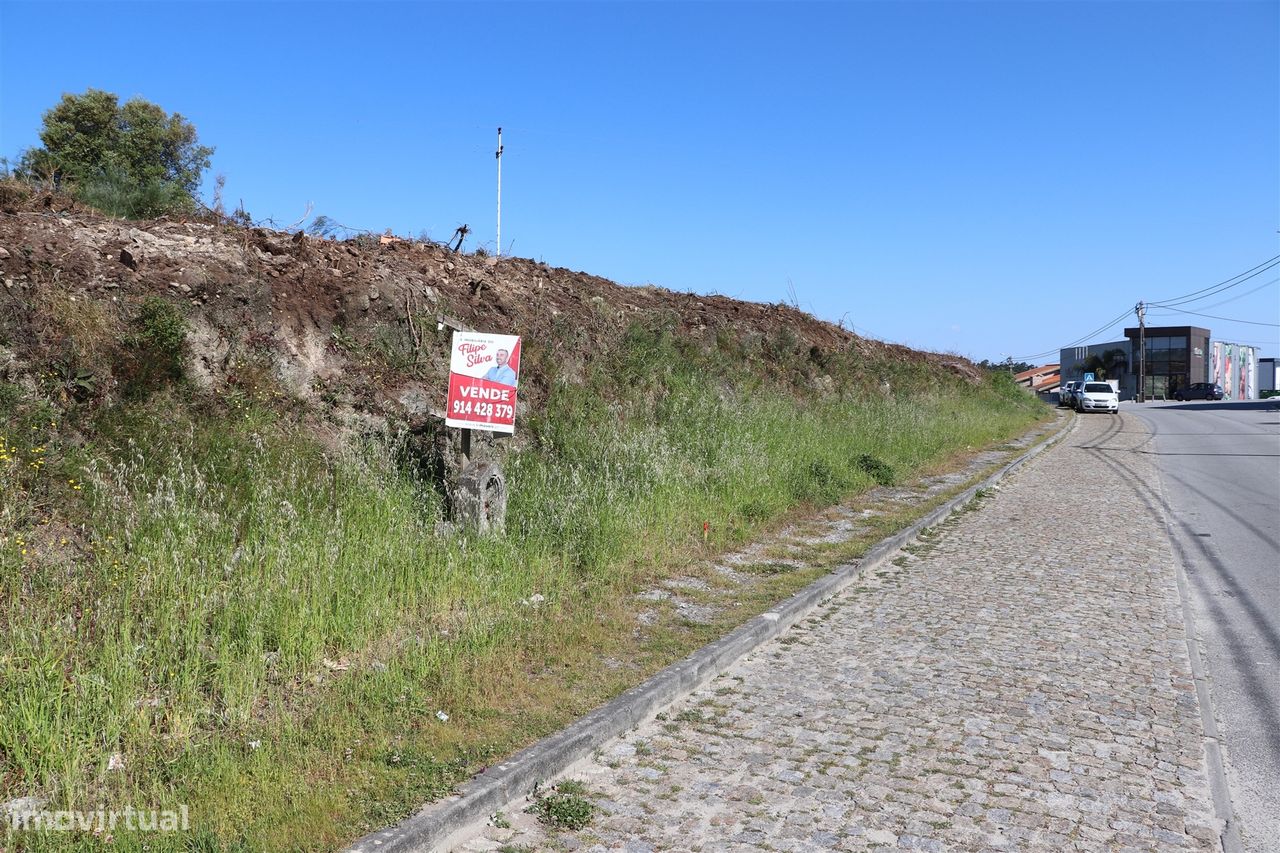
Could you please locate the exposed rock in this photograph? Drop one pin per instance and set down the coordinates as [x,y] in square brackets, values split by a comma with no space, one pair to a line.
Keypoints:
[354,321]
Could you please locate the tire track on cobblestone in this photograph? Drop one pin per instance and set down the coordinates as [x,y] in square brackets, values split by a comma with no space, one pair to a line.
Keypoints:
[1114,427]
[1004,685]
[1152,494]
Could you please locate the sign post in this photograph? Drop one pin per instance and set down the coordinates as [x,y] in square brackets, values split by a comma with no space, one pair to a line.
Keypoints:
[484,371]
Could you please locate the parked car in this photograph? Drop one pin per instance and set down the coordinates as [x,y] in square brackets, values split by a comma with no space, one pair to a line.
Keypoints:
[1097,397]
[1199,391]
[1067,393]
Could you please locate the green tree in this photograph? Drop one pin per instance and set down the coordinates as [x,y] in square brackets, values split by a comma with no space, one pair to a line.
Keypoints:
[1110,364]
[132,159]
[1008,365]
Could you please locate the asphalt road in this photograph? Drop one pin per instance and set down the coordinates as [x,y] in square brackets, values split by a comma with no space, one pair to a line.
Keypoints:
[1220,467]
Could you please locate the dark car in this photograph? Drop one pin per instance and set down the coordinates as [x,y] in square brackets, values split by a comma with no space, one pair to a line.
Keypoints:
[1067,394]
[1199,391]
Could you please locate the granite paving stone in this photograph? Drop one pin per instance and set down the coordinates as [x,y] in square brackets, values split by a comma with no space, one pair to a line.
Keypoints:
[1019,681]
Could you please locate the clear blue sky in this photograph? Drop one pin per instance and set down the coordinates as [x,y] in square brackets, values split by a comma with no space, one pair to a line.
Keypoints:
[986,178]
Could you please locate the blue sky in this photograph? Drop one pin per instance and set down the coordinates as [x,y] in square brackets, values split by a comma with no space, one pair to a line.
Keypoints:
[987,178]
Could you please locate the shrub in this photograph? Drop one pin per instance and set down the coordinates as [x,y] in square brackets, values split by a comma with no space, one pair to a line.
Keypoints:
[876,469]
[156,346]
[160,326]
[1003,383]
[115,194]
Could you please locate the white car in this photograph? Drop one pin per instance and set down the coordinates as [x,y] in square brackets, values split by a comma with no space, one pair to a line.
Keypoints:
[1067,393]
[1097,397]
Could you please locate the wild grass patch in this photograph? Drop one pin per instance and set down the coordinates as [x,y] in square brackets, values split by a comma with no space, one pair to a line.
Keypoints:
[205,605]
[564,807]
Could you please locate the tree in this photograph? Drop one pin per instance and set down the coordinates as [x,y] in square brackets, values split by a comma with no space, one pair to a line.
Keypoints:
[1008,365]
[1111,363]
[133,158]
[1115,361]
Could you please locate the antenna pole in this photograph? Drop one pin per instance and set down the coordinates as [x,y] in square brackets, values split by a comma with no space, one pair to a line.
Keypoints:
[498,156]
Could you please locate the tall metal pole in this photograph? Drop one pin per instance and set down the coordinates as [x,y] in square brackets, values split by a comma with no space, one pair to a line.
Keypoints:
[498,155]
[1141,310]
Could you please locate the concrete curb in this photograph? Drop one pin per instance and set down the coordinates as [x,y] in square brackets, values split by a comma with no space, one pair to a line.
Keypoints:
[431,827]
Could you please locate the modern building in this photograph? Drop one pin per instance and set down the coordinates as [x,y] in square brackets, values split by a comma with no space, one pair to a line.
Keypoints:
[1111,360]
[1175,357]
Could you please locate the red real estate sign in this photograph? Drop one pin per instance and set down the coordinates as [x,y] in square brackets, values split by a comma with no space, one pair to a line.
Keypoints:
[484,371]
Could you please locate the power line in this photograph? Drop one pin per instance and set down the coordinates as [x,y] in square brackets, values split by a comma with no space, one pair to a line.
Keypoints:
[1194,296]
[1223,302]
[1242,295]
[1206,292]
[1259,343]
[1226,319]
[1076,342]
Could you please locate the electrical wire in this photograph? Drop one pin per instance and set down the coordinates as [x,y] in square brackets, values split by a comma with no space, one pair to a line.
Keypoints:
[1076,342]
[1205,292]
[1254,342]
[1193,296]
[1225,319]
[1242,295]
[1173,311]
[1213,289]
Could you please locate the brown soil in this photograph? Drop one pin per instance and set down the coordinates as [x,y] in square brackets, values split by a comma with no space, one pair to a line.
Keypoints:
[355,321]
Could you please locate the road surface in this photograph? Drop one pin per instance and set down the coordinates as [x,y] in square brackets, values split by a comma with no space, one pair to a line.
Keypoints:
[1220,465]
[1020,681]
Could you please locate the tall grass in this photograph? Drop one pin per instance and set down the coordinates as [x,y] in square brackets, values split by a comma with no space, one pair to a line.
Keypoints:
[228,564]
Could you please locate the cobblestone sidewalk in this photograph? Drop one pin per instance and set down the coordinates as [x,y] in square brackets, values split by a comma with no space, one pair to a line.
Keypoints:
[1018,681]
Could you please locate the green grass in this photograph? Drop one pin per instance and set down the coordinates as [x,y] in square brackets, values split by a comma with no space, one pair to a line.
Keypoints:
[565,807]
[263,629]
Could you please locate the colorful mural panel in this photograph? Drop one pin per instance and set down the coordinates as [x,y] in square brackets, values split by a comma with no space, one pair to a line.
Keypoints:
[1235,368]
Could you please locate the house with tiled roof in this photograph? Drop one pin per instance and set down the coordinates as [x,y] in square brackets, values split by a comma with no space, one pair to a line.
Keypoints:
[1040,380]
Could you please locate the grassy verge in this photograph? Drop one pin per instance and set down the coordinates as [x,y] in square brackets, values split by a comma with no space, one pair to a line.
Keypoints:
[203,607]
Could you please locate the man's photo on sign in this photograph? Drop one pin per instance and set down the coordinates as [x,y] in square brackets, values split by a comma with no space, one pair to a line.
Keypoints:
[502,372]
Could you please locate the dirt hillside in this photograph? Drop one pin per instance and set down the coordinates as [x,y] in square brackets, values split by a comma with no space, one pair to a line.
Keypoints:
[350,322]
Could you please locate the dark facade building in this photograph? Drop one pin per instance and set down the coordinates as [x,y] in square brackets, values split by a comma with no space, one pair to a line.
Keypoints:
[1177,356]
[1109,361]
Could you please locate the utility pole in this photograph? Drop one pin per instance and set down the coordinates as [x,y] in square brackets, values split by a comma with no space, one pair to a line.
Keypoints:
[498,156]
[1141,310]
